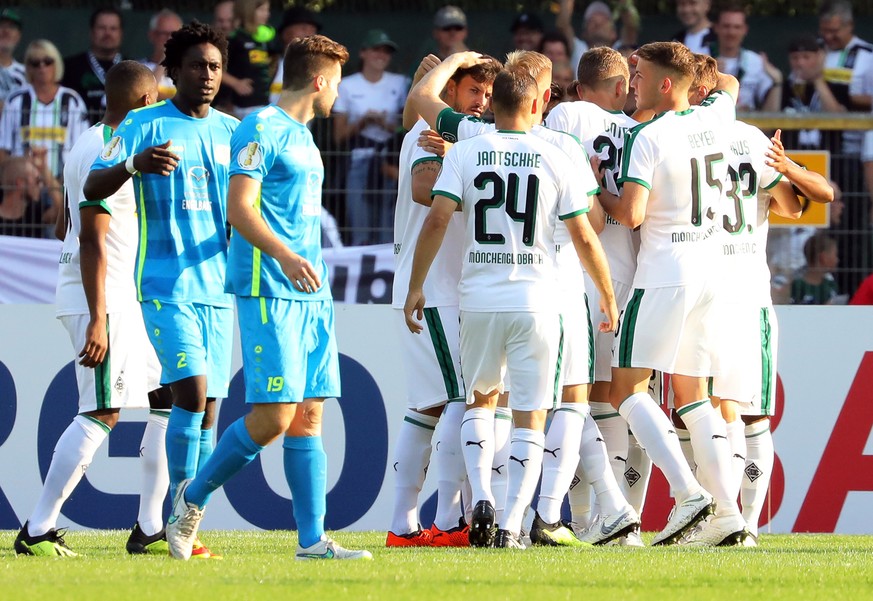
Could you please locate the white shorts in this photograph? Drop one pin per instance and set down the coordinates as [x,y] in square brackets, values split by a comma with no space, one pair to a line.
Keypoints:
[432,359]
[130,369]
[674,330]
[577,358]
[527,346]
[748,359]
[603,340]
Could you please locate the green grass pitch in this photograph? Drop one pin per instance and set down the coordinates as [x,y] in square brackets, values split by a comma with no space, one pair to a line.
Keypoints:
[260,565]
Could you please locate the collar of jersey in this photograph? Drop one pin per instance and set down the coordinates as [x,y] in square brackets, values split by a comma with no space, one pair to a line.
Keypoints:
[510,131]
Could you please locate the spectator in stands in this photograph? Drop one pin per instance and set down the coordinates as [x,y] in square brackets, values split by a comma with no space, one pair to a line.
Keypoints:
[222,17]
[450,31]
[848,68]
[562,76]
[816,286]
[31,197]
[161,27]
[527,31]
[86,72]
[555,46]
[297,22]
[11,71]
[697,33]
[760,82]
[366,117]
[253,51]
[42,113]
[598,26]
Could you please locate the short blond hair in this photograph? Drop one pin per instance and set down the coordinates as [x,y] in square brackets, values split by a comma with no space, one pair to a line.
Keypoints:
[599,65]
[707,72]
[45,47]
[528,61]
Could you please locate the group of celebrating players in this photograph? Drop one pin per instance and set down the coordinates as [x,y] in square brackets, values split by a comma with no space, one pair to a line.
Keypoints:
[514,275]
[679,193]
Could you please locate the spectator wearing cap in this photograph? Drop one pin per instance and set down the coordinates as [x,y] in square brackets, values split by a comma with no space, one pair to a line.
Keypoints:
[366,117]
[86,72]
[760,82]
[450,30]
[161,27]
[11,71]
[252,55]
[697,33]
[527,31]
[297,22]
[598,26]
[42,117]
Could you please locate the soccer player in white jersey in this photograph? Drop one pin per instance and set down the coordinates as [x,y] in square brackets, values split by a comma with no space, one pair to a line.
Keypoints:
[510,252]
[673,174]
[116,366]
[598,122]
[746,384]
[568,424]
[435,388]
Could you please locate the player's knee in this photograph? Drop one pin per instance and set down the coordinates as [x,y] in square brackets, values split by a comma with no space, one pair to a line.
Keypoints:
[108,417]
[307,419]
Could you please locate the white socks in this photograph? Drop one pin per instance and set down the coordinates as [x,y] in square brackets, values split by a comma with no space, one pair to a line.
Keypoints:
[759,469]
[411,457]
[656,434]
[635,482]
[500,464]
[560,458]
[596,465]
[712,453]
[737,444]
[73,454]
[155,475]
[613,430]
[449,465]
[687,450]
[477,440]
[525,463]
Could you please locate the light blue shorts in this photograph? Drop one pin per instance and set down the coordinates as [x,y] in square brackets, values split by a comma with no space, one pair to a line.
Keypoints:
[192,340]
[289,349]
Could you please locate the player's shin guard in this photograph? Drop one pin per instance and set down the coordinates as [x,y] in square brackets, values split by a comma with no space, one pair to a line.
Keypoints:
[500,463]
[560,458]
[712,453]
[596,464]
[525,464]
[759,469]
[477,438]
[636,477]
[155,477]
[73,454]
[448,461]
[655,432]
[411,457]
[306,473]
[183,445]
[235,450]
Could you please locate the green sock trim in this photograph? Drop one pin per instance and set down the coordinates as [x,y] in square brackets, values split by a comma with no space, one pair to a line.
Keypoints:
[160,412]
[691,407]
[606,416]
[106,428]
[418,423]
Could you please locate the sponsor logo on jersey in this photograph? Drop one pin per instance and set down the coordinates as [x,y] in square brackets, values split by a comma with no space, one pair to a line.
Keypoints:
[250,157]
[112,148]
[198,177]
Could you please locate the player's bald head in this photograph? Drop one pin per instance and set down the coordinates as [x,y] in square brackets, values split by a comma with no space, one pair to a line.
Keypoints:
[127,83]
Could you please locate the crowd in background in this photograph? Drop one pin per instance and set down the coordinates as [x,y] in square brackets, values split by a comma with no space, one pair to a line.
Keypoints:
[48,101]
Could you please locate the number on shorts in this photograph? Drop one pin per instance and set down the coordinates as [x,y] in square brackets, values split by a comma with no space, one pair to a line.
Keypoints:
[275,383]
[183,360]
[504,191]
[712,181]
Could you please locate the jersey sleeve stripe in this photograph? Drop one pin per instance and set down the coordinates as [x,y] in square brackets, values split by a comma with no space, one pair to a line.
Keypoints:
[593,192]
[96,203]
[573,214]
[448,195]
[624,180]
[775,181]
[433,158]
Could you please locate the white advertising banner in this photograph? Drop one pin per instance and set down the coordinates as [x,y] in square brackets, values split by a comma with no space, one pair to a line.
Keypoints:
[823,482]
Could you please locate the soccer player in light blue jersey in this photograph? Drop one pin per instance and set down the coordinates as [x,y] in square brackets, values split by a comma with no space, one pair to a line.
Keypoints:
[276,270]
[178,152]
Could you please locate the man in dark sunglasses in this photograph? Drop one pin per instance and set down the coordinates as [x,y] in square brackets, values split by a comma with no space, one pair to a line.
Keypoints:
[450,31]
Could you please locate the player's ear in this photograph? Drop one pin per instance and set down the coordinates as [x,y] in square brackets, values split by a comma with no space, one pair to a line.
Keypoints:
[666,85]
[547,95]
[319,82]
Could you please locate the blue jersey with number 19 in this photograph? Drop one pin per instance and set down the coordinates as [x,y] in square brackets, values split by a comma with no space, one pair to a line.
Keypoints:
[274,149]
[182,253]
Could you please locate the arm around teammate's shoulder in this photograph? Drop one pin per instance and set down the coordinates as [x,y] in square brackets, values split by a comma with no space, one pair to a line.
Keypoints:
[730,84]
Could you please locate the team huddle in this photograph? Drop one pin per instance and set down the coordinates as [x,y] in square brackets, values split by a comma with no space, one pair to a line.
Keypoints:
[517,262]
[515,215]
